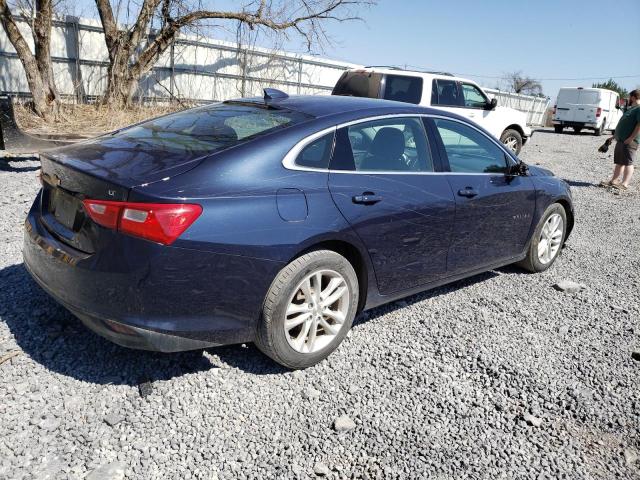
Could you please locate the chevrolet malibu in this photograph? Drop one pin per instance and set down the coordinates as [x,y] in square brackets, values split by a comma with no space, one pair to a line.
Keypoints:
[276,220]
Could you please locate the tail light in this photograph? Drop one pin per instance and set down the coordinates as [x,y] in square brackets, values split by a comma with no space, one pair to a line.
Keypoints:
[158,222]
[598,112]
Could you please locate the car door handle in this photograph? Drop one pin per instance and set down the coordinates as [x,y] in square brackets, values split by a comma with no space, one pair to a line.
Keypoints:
[468,192]
[367,198]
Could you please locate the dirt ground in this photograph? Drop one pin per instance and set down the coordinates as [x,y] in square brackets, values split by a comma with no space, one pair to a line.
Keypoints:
[88,120]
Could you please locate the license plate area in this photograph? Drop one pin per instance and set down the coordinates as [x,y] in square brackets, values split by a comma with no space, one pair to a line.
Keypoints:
[66,209]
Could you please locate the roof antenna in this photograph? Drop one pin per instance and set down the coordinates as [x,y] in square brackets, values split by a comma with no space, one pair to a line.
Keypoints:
[274,93]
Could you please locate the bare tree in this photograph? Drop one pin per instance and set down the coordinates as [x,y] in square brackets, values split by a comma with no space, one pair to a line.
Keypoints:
[518,83]
[134,51]
[37,66]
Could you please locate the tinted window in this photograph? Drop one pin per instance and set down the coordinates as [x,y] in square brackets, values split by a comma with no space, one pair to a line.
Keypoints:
[468,150]
[473,97]
[446,92]
[403,89]
[393,145]
[207,129]
[317,153]
[358,84]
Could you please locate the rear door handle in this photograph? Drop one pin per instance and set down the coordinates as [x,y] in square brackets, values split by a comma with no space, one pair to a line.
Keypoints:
[467,192]
[367,198]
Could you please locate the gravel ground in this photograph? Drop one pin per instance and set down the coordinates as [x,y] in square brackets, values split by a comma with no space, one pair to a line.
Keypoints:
[497,376]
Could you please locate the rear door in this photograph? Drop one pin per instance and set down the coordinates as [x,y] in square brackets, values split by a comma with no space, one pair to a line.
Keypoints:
[446,95]
[566,105]
[382,181]
[494,211]
[588,103]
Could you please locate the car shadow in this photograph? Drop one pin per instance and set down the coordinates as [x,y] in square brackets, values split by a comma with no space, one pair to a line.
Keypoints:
[51,336]
[578,183]
[5,166]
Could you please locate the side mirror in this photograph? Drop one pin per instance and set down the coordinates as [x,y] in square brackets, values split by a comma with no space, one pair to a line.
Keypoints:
[492,104]
[618,107]
[520,169]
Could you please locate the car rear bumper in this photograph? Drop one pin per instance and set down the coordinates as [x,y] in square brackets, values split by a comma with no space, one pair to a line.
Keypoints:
[148,296]
[575,124]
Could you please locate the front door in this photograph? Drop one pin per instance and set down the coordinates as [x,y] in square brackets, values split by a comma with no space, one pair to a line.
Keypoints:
[382,181]
[494,211]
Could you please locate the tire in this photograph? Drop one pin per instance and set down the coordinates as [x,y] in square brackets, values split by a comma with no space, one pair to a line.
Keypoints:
[533,261]
[287,291]
[558,128]
[577,129]
[600,131]
[512,140]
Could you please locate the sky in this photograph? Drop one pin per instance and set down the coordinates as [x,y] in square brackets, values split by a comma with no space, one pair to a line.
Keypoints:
[559,42]
[482,40]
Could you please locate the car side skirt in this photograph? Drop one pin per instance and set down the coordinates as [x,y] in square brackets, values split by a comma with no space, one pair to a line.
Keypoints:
[376,300]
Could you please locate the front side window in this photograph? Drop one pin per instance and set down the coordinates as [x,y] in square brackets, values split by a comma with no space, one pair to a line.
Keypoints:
[446,93]
[317,153]
[389,145]
[468,150]
[403,88]
[473,97]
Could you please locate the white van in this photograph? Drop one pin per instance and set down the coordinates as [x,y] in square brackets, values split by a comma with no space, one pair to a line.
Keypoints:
[593,108]
[438,90]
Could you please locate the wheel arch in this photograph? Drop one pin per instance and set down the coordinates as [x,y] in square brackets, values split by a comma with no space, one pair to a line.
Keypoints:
[569,212]
[516,127]
[354,256]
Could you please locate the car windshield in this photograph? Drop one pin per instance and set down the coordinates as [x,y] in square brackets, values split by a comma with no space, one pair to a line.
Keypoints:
[207,129]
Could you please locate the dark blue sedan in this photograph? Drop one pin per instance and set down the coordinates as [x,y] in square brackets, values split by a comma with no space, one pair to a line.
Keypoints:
[276,220]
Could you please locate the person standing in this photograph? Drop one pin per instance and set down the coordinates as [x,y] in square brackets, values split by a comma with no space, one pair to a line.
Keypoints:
[627,136]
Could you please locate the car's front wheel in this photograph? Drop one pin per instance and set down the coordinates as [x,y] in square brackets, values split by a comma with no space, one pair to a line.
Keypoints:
[309,309]
[547,240]
[512,140]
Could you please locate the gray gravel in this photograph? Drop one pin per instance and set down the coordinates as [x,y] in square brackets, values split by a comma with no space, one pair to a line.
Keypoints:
[498,376]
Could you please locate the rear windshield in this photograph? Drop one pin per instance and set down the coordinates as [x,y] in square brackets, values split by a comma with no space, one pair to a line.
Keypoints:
[208,129]
[358,84]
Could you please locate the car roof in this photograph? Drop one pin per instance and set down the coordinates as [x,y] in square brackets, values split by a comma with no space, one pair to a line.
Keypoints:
[329,105]
[412,73]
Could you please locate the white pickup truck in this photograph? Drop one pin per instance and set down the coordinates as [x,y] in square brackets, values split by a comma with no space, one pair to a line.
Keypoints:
[442,91]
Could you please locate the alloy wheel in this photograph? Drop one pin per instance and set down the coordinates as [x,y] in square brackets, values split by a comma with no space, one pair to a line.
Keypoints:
[511,143]
[550,238]
[316,311]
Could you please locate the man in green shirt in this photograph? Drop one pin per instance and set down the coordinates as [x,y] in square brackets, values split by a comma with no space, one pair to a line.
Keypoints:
[627,136]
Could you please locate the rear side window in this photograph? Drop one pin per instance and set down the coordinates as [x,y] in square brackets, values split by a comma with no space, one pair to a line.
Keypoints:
[446,93]
[468,150]
[317,153]
[207,129]
[403,89]
[358,84]
[389,145]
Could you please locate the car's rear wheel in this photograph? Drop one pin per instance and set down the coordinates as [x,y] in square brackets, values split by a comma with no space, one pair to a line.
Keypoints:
[558,128]
[309,309]
[600,131]
[512,140]
[547,240]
